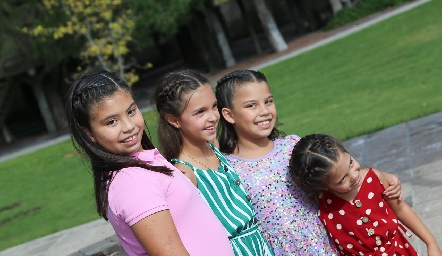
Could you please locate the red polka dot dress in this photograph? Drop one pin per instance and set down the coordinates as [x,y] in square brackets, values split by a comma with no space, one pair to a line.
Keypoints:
[365,225]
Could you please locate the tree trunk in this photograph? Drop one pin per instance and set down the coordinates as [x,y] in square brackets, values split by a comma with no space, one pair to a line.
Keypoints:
[336,6]
[221,38]
[250,27]
[270,27]
[297,17]
[42,102]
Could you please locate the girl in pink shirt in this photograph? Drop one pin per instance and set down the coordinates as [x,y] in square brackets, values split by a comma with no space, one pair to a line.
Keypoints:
[153,208]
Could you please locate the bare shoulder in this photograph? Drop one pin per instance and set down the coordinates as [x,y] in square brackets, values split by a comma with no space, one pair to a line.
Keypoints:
[187,171]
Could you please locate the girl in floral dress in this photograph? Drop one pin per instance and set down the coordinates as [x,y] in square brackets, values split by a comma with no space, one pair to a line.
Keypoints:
[359,219]
[260,154]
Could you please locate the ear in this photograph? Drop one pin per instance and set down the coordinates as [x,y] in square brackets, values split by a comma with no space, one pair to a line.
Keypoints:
[88,133]
[228,115]
[172,121]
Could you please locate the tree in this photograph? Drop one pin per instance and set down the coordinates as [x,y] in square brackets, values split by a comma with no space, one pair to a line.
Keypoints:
[109,29]
[106,26]
[336,5]
[270,27]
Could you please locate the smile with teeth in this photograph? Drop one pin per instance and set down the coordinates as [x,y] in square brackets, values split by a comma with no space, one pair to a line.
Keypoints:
[131,138]
[210,128]
[264,122]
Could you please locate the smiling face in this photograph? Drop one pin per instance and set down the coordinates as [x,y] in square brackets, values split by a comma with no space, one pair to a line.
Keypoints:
[254,113]
[198,121]
[117,124]
[345,176]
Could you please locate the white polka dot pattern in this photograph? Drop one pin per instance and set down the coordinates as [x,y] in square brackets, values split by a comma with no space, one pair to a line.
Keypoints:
[355,224]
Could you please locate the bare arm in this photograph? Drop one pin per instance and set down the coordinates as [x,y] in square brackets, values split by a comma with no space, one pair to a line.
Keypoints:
[158,235]
[410,219]
[394,188]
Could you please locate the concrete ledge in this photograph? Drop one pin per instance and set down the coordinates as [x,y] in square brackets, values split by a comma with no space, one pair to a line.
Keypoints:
[108,246]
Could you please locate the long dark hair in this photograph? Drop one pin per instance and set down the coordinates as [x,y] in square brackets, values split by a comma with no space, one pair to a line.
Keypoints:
[311,161]
[169,99]
[85,93]
[225,92]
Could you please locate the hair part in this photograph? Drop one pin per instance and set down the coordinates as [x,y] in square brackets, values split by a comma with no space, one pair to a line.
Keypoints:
[86,93]
[171,99]
[311,161]
[226,88]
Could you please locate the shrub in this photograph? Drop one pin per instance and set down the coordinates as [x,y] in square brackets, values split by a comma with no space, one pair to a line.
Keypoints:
[362,9]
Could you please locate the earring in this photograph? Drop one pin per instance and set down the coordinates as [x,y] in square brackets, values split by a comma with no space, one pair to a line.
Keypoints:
[93,140]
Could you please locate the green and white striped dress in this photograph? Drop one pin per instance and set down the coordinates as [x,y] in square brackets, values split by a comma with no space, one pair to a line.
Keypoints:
[225,194]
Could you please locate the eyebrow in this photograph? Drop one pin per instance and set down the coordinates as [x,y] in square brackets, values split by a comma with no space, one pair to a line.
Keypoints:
[114,115]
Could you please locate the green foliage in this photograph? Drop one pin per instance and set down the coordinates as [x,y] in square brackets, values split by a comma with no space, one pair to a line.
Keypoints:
[102,32]
[361,10]
[160,18]
[13,15]
[106,27]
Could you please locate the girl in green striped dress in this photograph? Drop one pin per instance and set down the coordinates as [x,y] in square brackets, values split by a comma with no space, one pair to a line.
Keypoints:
[188,116]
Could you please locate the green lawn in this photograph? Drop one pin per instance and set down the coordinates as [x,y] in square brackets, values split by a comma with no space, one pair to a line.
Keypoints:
[376,78]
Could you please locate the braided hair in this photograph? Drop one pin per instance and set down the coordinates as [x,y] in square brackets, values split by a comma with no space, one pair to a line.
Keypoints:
[170,98]
[225,93]
[311,161]
[85,94]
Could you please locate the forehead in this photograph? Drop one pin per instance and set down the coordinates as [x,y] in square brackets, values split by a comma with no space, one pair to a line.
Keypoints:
[112,104]
[201,95]
[252,90]
[342,166]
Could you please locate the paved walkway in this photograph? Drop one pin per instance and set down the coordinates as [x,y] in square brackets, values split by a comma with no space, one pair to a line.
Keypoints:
[411,150]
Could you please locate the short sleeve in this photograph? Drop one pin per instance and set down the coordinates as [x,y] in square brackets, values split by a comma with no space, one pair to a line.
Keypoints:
[135,193]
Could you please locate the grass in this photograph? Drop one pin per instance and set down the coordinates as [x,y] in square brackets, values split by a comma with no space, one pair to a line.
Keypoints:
[386,74]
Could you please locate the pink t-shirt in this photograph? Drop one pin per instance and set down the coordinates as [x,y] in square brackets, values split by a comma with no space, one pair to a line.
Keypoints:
[135,193]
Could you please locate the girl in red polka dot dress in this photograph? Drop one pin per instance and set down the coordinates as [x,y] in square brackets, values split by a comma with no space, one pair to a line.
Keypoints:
[352,206]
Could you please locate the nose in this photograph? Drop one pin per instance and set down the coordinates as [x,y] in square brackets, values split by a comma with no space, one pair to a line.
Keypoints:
[264,110]
[127,125]
[214,115]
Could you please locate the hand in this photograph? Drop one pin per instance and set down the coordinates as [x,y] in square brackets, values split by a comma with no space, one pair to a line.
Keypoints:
[434,250]
[394,189]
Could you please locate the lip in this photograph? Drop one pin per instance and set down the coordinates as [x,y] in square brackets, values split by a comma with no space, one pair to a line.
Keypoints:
[130,140]
[357,182]
[210,129]
[264,123]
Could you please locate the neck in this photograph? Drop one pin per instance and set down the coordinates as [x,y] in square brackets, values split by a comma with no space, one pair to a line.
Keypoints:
[200,149]
[253,148]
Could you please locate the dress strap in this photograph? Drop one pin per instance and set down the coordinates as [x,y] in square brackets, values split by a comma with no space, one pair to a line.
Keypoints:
[178,161]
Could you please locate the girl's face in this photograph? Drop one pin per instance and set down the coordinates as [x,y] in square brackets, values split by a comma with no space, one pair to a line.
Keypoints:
[117,124]
[200,117]
[345,175]
[254,112]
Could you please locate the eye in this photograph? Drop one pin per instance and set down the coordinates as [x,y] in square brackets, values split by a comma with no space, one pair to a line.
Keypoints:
[269,101]
[132,111]
[111,122]
[351,162]
[342,181]
[199,112]
[215,105]
[251,105]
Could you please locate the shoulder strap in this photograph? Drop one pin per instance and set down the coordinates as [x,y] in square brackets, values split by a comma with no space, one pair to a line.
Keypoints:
[221,158]
[178,161]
